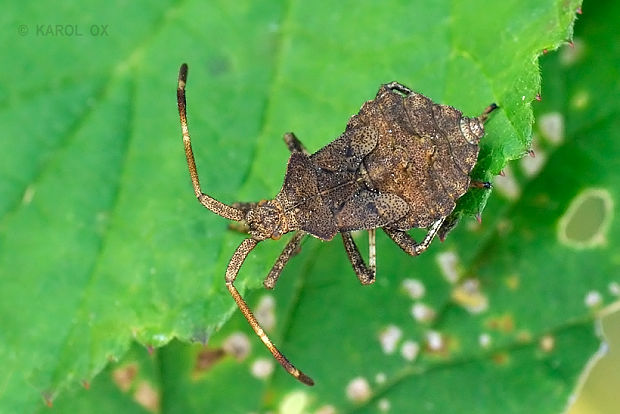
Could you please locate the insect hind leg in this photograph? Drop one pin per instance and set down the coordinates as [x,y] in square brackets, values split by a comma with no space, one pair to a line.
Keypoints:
[408,244]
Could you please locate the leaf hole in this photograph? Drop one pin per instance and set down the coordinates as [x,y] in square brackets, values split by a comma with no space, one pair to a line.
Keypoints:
[586,221]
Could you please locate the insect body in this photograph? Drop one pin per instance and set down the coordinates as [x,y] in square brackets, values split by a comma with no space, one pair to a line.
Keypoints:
[401,163]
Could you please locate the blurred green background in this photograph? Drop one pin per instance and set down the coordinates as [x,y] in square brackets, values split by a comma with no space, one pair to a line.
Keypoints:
[111,274]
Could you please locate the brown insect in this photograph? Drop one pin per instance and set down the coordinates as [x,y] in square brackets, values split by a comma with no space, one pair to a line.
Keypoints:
[401,163]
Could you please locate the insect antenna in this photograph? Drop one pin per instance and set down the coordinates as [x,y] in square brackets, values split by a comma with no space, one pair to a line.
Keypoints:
[236,213]
[212,204]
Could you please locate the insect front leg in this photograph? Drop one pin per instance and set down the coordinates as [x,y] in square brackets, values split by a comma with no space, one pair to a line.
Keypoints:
[399,87]
[365,274]
[408,244]
[294,144]
[242,226]
[231,274]
[289,251]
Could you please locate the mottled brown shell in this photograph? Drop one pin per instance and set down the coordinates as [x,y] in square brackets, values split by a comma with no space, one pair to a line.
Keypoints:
[402,162]
[424,154]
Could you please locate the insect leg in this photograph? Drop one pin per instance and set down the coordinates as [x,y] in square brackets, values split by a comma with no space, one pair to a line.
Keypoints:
[395,86]
[231,274]
[241,226]
[372,250]
[365,274]
[408,244]
[212,204]
[485,114]
[480,184]
[289,251]
[294,144]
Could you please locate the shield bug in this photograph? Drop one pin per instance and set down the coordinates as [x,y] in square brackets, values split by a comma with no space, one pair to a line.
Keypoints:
[401,163]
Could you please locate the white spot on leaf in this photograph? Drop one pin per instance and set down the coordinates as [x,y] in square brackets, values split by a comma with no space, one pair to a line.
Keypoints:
[262,368]
[551,127]
[237,344]
[358,390]
[593,299]
[389,338]
[422,312]
[295,402]
[547,343]
[265,312]
[532,165]
[384,405]
[448,264]
[326,409]
[414,288]
[410,350]
[435,341]
[507,185]
[484,340]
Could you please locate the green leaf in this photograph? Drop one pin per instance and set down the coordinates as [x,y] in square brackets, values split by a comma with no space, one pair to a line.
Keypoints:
[102,242]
